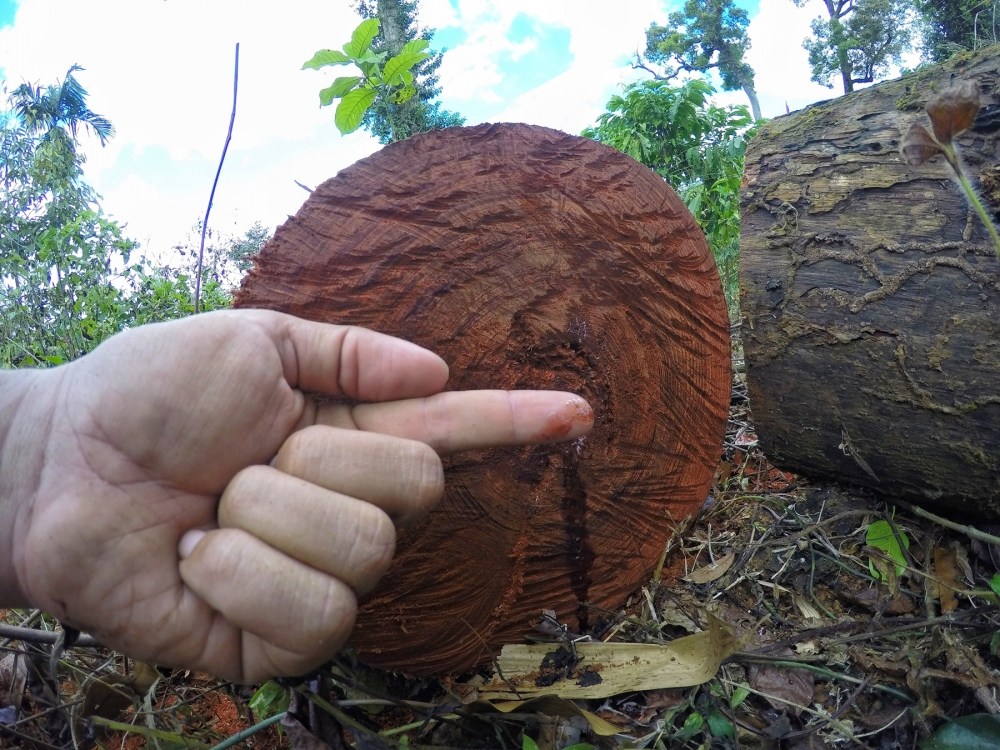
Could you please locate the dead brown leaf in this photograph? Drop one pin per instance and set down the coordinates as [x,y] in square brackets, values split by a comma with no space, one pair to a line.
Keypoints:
[946,578]
[785,689]
[13,675]
[599,670]
[712,571]
[879,599]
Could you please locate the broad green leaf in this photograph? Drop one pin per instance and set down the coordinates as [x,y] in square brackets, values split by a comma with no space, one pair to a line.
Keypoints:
[414,45]
[326,57]
[362,38]
[692,725]
[528,744]
[337,89]
[411,54]
[995,583]
[719,725]
[352,109]
[269,699]
[972,732]
[739,695]
[881,536]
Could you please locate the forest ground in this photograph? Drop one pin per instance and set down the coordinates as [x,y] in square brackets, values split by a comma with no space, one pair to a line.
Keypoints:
[839,644]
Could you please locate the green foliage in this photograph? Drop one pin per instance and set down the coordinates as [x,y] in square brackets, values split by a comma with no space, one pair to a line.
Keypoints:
[59,254]
[269,699]
[994,584]
[357,93]
[695,146]
[972,732]
[392,121]
[69,276]
[706,35]
[390,79]
[950,26]
[858,41]
[57,109]
[882,536]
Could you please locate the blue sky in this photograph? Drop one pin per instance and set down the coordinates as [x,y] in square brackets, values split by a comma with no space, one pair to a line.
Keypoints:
[162,73]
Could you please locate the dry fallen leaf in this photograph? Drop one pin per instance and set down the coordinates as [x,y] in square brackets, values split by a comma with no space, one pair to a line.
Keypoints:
[946,575]
[785,689]
[712,571]
[605,669]
[13,677]
[552,705]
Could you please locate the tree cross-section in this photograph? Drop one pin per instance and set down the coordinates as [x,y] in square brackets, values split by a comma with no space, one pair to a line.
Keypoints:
[527,258]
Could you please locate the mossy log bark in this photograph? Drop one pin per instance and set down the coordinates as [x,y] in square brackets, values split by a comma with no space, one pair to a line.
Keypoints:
[527,258]
[871,296]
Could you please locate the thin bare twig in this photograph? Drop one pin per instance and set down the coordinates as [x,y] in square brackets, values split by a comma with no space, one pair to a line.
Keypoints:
[32,635]
[215,184]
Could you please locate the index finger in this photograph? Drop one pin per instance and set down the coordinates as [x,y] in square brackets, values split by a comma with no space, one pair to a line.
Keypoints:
[466,420]
[354,362]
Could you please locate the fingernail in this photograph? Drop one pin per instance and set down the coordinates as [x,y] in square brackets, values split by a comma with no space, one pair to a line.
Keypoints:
[188,542]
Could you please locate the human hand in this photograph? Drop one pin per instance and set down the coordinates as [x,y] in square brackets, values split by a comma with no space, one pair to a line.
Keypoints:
[114,465]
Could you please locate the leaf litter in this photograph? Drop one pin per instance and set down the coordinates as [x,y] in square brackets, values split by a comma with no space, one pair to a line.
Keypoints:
[774,623]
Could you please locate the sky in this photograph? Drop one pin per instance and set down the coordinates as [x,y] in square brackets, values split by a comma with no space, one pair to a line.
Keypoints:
[162,72]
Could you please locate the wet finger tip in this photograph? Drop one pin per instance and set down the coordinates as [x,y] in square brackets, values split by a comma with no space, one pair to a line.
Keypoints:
[573,419]
[581,416]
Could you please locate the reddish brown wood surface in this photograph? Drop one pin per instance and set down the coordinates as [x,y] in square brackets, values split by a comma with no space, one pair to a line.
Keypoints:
[527,258]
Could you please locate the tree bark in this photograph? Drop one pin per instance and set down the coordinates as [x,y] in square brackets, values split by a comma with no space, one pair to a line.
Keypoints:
[527,258]
[751,93]
[871,297]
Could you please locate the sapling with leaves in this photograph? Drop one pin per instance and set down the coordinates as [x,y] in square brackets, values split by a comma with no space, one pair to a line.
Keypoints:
[392,78]
[951,112]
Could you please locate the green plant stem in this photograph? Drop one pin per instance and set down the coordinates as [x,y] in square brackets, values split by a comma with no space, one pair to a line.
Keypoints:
[829,674]
[150,733]
[970,531]
[249,731]
[334,711]
[956,164]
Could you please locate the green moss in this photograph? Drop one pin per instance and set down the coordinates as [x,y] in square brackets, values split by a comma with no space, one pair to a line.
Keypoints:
[910,99]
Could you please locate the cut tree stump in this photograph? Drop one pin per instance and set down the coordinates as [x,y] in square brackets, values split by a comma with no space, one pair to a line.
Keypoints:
[871,296]
[527,258]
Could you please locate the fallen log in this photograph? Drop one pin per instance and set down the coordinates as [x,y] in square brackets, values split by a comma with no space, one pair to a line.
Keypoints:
[870,294]
[527,258]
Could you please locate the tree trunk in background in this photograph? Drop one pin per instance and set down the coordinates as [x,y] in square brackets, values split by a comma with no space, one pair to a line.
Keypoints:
[393,28]
[527,258]
[871,297]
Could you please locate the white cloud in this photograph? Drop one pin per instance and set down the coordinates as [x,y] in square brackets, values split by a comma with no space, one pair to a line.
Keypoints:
[601,43]
[162,73]
[780,63]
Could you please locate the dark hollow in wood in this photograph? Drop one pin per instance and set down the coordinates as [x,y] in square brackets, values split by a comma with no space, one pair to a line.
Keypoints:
[871,297]
[527,258]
